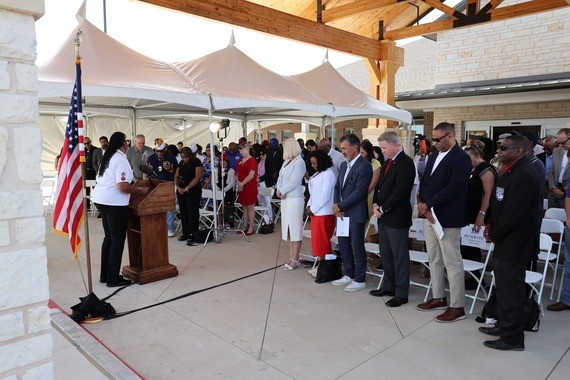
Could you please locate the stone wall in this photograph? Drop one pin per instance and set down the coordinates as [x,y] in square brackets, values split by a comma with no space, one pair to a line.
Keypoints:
[531,45]
[25,340]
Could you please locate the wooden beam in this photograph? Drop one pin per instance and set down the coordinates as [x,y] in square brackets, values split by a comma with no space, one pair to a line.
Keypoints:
[419,30]
[497,14]
[444,8]
[264,19]
[527,8]
[359,6]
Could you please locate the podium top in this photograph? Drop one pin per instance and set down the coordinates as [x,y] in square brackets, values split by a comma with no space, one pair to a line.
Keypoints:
[160,198]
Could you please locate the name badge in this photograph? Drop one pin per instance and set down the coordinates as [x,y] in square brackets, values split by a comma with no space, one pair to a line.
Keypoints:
[500,193]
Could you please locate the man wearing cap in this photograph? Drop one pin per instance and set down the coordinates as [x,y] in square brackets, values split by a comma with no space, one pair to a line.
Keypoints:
[558,174]
[137,155]
[163,165]
[337,158]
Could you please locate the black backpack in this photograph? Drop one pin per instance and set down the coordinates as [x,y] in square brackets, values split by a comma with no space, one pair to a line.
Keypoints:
[531,311]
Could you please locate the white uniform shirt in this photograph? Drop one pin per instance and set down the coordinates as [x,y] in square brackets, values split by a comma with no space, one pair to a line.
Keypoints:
[337,159]
[106,191]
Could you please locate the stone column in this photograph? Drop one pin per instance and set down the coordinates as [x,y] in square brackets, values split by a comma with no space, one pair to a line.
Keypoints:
[305,133]
[25,340]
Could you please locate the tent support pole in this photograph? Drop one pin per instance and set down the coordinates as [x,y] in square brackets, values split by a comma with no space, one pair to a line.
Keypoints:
[214,182]
[134,122]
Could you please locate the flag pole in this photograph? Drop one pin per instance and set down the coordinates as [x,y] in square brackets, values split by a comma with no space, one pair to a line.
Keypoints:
[81,134]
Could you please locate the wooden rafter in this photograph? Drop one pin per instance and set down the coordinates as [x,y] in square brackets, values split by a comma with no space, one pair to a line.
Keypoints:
[444,8]
[359,6]
[493,14]
[268,20]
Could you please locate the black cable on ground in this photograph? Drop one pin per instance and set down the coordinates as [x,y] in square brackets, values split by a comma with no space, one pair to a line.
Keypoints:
[184,295]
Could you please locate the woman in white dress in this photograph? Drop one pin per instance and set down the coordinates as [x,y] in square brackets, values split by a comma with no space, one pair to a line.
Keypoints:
[290,191]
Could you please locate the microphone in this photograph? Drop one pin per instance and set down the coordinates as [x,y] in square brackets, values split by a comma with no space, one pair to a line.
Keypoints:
[149,172]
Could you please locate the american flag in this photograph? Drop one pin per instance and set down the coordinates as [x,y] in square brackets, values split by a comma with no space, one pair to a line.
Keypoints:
[68,210]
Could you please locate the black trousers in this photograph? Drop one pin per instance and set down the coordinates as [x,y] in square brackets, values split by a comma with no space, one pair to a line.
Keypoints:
[115,222]
[393,243]
[189,204]
[511,297]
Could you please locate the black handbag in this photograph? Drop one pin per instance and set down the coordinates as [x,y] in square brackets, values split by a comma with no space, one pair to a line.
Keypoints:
[329,270]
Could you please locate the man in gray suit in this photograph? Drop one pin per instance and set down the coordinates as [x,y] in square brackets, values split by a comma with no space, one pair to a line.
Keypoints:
[558,175]
[351,201]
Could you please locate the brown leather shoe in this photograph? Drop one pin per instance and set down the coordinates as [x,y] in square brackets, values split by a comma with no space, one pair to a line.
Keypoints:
[558,306]
[433,304]
[452,314]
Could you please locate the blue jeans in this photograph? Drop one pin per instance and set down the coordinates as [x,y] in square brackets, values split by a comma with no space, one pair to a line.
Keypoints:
[565,296]
[170,220]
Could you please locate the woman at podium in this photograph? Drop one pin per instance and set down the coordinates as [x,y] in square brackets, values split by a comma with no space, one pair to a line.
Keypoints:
[189,192]
[111,196]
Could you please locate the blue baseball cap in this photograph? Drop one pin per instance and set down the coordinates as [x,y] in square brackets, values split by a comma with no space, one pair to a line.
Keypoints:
[273,143]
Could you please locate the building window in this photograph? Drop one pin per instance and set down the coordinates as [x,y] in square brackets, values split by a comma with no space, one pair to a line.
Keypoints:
[347,131]
[286,135]
[272,135]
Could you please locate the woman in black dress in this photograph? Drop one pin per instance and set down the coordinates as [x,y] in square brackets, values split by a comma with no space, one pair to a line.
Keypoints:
[189,192]
[479,192]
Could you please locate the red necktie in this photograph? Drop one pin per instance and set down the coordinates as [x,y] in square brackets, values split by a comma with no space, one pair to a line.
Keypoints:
[388,166]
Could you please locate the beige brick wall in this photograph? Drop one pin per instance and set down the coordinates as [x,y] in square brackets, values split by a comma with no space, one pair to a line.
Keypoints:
[531,45]
[25,339]
[501,112]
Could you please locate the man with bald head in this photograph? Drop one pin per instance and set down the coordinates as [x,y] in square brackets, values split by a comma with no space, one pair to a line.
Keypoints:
[337,158]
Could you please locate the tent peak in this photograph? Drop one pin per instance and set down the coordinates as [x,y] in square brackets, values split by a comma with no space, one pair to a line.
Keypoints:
[81,13]
[232,39]
[326,58]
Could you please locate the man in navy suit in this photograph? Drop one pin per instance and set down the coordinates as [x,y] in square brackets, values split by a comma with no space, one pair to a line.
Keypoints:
[351,201]
[443,189]
[394,211]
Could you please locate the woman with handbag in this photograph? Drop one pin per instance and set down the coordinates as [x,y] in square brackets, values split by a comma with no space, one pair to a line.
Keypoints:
[319,206]
[290,191]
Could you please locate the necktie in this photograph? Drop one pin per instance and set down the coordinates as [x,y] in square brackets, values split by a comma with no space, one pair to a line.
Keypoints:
[388,166]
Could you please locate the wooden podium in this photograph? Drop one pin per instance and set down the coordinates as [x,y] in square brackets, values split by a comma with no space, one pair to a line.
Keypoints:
[147,233]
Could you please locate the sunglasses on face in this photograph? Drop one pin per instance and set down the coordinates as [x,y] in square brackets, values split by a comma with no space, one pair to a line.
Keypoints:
[502,148]
[436,140]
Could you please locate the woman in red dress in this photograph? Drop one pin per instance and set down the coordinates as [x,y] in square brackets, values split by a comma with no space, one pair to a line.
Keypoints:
[246,173]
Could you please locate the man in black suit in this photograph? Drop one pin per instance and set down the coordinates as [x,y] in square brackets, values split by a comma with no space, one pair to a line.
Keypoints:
[351,201]
[443,189]
[90,172]
[394,211]
[514,227]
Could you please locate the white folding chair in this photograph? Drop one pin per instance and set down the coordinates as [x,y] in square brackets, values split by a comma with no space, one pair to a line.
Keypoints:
[206,215]
[276,204]
[534,278]
[261,210]
[556,213]
[419,257]
[373,248]
[552,226]
[48,188]
[471,267]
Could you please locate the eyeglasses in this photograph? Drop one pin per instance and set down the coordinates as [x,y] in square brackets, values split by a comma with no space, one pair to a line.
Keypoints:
[558,143]
[87,142]
[504,147]
[436,140]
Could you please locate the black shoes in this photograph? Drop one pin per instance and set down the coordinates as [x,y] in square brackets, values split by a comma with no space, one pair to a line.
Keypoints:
[493,331]
[182,237]
[500,345]
[381,293]
[102,280]
[396,302]
[191,241]
[121,282]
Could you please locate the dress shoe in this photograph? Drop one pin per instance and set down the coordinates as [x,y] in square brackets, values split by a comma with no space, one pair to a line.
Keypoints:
[396,302]
[452,314]
[183,237]
[433,304]
[249,233]
[102,280]
[121,282]
[558,306]
[494,331]
[500,345]
[381,293]
[191,242]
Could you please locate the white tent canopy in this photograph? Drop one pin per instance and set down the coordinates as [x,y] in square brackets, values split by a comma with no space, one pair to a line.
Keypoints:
[349,102]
